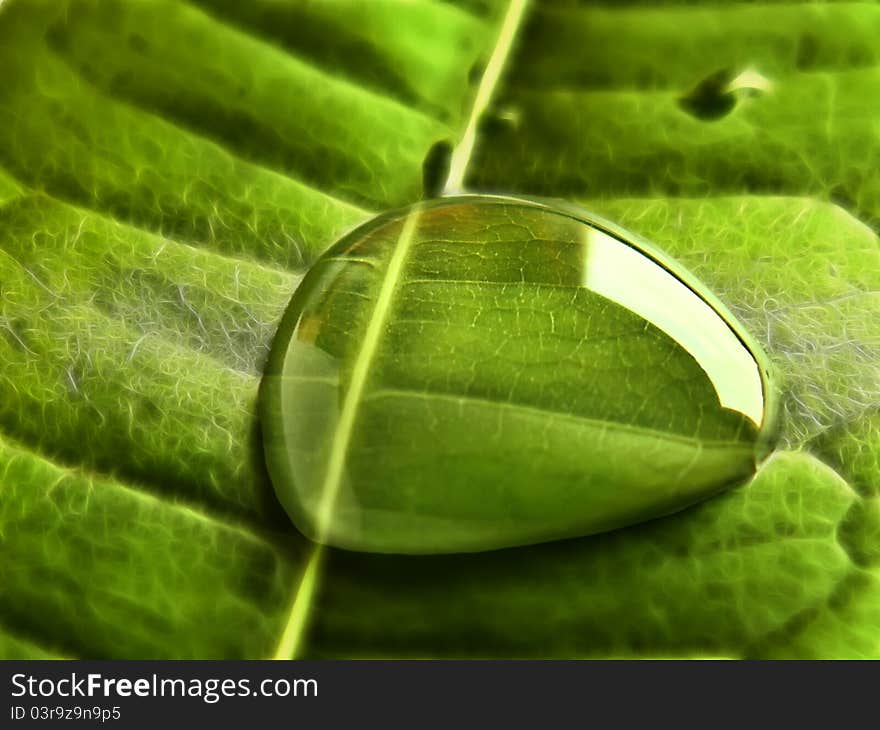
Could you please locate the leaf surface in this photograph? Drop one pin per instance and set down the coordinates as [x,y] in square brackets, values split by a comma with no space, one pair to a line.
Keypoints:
[704,582]
[168,169]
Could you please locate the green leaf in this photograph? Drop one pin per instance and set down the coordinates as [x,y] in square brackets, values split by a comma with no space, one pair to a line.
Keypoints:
[745,574]
[785,567]
[805,99]
[167,170]
[153,206]
[99,568]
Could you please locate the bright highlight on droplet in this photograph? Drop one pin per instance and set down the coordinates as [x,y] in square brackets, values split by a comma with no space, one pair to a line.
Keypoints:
[625,275]
[480,372]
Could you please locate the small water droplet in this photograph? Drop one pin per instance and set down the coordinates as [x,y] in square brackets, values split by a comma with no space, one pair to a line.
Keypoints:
[479,372]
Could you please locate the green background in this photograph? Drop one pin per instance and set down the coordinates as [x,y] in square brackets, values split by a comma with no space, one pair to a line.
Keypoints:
[169,169]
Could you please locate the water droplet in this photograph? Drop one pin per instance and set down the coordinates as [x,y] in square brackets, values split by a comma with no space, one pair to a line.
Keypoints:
[479,372]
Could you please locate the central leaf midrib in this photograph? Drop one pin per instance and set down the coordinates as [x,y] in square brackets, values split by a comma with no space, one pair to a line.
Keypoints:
[354,394]
[461,155]
[304,593]
[303,598]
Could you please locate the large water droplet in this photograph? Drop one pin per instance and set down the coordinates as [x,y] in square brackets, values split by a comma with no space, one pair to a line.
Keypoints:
[481,372]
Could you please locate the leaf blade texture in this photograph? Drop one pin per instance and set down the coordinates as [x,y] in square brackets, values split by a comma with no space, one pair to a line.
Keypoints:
[148,252]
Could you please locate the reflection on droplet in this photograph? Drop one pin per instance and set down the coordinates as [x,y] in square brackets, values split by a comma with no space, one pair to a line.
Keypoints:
[480,372]
[648,290]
